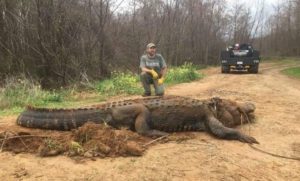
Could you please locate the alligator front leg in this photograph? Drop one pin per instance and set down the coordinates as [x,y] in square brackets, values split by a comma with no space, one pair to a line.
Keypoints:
[214,126]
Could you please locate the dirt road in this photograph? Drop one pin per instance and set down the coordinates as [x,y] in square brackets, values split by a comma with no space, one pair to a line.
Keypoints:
[277,98]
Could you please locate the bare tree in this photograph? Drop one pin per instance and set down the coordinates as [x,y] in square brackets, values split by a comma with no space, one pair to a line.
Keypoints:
[60,42]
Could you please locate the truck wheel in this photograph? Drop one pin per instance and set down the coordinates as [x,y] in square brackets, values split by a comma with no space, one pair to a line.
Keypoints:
[224,69]
[253,69]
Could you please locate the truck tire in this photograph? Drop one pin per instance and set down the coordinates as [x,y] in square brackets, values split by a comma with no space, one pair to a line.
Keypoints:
[225,55]
[225,69]
[255,56]
[254,69]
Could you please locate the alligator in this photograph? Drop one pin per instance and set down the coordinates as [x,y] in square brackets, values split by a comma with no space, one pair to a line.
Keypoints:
[151,116]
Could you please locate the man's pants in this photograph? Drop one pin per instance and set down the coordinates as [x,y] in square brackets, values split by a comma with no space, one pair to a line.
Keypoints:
[147,80]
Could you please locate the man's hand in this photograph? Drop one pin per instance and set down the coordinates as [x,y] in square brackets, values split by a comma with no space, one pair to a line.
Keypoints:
[154,74]
[161,81]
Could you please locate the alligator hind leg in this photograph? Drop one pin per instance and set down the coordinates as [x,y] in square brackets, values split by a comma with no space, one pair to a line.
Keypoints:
[142,127]
[142,117]
[219,130]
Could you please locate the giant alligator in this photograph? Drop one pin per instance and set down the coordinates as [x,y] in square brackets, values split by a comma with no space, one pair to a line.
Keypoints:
[153,116]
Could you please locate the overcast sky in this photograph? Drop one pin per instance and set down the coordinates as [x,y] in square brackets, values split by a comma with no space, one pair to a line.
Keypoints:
[251,3]
[268,3]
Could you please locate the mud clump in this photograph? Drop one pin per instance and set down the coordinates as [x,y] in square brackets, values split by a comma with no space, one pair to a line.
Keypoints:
[50,147]
[102,140]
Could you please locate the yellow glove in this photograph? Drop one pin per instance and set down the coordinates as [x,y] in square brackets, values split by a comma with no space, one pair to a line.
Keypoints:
[161,81]
[154,74]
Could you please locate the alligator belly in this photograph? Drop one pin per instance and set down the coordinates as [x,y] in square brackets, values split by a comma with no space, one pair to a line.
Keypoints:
[172,120]
[174,127]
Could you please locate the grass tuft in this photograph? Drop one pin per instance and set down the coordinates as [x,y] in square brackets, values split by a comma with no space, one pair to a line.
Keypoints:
[21,92]
[184,73]
[294,72]
[120,83]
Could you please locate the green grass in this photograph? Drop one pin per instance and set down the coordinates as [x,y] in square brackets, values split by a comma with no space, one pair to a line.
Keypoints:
[293,72]
[129,83]
[19,92]
[120,83]
[185,73]
[280,59]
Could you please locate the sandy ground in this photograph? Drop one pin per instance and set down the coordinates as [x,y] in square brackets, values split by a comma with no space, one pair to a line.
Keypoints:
[277,98]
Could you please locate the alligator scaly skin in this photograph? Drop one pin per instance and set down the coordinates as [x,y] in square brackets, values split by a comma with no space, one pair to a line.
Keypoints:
[67,119]
[149,116]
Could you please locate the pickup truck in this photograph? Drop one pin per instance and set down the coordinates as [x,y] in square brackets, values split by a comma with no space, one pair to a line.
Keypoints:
[240,57]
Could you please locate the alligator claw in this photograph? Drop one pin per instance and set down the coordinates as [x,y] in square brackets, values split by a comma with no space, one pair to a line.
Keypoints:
[248,139]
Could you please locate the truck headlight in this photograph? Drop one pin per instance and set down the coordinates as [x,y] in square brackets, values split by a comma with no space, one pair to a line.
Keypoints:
[256,61]
[224,61]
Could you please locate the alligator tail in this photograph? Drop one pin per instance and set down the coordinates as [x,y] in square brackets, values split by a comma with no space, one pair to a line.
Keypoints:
[60,119]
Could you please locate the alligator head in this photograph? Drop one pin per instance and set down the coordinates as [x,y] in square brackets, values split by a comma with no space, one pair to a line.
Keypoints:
[232,113]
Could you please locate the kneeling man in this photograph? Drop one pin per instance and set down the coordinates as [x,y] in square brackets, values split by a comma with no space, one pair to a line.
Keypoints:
[154,69]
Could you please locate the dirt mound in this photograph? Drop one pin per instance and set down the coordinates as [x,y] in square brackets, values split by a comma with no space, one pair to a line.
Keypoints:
[102,140]
[20,142]
[90,140]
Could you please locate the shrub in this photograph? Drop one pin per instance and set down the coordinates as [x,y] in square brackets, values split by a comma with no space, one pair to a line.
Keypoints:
[129,83]
[184,73]
[120,83]
[21,92]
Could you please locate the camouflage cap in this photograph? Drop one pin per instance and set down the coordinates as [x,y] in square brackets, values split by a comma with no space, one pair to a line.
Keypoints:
[150,45]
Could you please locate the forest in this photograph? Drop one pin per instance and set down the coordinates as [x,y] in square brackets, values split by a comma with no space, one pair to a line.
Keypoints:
[58,43]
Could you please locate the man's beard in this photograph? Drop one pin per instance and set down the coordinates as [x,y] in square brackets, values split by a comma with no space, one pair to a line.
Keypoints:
[151,54]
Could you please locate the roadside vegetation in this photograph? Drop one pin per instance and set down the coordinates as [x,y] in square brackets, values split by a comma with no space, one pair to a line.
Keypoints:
[293,72]
[16,93]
